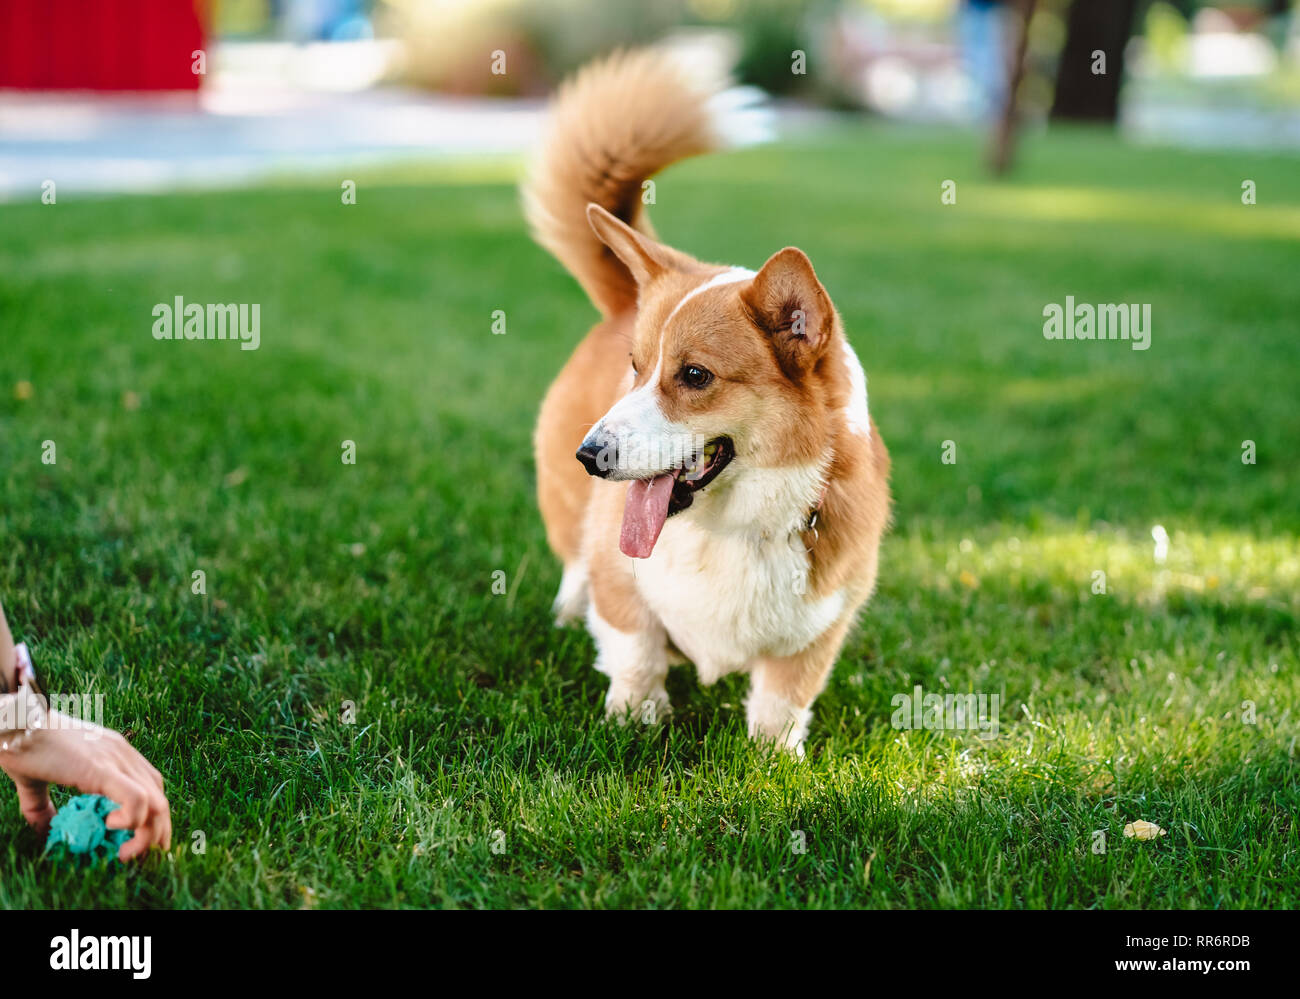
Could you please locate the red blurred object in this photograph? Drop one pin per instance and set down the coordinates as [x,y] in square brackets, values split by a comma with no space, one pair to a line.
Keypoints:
[99,44]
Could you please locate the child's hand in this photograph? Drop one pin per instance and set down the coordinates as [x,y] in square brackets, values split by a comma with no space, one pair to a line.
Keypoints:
[94,760]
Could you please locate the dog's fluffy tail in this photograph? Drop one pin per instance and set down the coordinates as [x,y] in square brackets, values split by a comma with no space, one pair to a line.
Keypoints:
[616,123]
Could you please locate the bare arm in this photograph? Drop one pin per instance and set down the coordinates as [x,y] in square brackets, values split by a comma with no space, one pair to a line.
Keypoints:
[95,760]
[6,650]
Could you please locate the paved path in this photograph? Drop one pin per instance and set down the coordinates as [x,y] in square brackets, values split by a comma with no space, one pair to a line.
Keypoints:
[247,124]
[97,144]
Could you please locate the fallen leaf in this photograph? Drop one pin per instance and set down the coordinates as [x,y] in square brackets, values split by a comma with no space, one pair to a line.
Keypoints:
[1141,829]
[24,391]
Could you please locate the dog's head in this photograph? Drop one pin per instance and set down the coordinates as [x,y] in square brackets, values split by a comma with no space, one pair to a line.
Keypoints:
[727,380]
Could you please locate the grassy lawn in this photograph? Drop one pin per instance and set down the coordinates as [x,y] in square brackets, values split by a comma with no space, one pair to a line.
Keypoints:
[372,583]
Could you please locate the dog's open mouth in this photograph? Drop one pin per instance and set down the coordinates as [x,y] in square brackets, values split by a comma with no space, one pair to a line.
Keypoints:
[652,501]
[690,479]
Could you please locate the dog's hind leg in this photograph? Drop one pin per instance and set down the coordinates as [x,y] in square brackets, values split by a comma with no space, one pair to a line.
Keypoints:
[571,602]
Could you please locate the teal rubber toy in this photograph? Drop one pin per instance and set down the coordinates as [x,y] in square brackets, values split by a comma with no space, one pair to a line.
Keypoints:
[77,831]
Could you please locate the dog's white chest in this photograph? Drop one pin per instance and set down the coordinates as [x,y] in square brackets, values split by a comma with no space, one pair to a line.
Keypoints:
[726,599]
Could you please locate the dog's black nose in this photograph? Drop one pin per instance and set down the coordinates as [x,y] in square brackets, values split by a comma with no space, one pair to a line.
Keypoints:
[596,460]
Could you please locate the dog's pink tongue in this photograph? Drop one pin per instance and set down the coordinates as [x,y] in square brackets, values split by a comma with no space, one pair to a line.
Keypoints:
[644,515]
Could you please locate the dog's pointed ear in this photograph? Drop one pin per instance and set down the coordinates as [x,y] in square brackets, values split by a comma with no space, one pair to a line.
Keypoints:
[645,258]
[787,302]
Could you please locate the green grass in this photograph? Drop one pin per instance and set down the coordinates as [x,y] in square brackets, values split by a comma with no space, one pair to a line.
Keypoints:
[372,583]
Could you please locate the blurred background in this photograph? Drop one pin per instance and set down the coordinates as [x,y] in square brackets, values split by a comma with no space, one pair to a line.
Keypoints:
[150,94]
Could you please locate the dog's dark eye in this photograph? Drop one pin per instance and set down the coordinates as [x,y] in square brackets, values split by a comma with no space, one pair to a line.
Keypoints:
[695,377]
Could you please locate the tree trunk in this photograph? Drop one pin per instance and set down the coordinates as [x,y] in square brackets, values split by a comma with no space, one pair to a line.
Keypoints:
[1004,131]
[1093,26]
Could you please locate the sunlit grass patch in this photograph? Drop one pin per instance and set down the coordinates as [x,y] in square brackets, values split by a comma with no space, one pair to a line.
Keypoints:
[478,771]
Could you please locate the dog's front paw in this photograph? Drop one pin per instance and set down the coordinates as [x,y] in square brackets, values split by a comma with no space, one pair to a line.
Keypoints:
[625,702]
[775,721]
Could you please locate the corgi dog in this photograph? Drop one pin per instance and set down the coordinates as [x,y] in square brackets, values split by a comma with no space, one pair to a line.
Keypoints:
[707,468]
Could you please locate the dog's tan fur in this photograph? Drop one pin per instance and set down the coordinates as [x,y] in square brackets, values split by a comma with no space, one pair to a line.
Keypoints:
[783,391]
